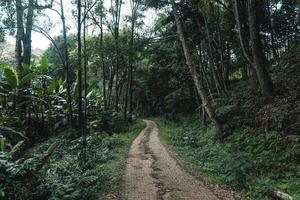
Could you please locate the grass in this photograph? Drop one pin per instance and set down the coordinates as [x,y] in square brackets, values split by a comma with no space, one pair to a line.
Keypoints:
[247,160]
[62,178]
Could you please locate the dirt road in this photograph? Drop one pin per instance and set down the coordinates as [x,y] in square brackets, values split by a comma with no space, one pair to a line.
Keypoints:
[152,174]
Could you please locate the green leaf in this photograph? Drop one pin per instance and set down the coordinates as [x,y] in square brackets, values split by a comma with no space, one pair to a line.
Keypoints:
[26,79]
[43,63]
[16,148]
[26,67]
[10,130]
[53,85]
[4,66]
[11,77]
[4,88]
[89,94]
[2,143]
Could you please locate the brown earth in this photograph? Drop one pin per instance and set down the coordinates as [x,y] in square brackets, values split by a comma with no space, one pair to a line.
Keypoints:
[152,174]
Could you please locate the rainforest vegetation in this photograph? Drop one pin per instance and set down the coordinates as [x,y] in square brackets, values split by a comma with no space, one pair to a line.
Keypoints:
[220,77]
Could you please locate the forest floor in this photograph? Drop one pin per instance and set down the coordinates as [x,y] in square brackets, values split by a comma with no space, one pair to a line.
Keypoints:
[153,173]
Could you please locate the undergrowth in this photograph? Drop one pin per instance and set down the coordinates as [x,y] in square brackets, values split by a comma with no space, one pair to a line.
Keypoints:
[247,160]
[63,178]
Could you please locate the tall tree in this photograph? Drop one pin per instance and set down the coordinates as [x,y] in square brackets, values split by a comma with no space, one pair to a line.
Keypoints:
[24,26]
[67,64]
[99,22]
[116,6]
[195,76]
[259,58]
[135,7]
[241,17]
[247,21]
[81,115]
[79,65]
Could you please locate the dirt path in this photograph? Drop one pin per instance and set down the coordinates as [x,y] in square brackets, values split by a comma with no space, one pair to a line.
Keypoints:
[152,174]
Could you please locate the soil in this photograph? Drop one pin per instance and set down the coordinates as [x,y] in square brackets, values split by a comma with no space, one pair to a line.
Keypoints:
[153,174]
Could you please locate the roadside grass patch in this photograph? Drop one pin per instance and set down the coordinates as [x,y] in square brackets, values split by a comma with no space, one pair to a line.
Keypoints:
[62,178]
[248,161]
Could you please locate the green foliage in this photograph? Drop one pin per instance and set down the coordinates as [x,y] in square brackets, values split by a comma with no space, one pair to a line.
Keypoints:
[237,169]
[14,173]
[290,59]
[11,77]
[246,159]
[62,177]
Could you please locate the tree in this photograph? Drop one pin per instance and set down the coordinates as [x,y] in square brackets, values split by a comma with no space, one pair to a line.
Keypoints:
[249,33]
[116,6]
[66,64]
[79,65]
[21,19]
[136,6]
[259,58]
[195,76]
[24,27]
[243,28]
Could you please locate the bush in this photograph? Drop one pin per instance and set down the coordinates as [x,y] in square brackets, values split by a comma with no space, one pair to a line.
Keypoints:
[62,177]
[18,177]
[246,159]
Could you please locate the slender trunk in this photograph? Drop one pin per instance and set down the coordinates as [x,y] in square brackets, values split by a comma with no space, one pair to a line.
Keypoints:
[125,98]
[19,54]
[198,102]
[272,38]
[67,67]
[201,54]
[117,73]
[23,50]
[19,35]
[198,84]
[224,77]
[27,54]
[81,120]
[131,58]
[241,17]
[110,86]
[27,36]
[102,59]
[80,111]
[117,15]
[85,63]
[239,9]
[212,63]
[257,50]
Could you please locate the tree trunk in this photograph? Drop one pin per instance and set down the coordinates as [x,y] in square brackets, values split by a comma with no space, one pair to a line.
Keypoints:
[110,86]
[241,22]
[211,58]
[102,58]
[67,66]
[27,36]
[85,63]
[224,68]
[272,32]
[241,17]
[198,84]
[117,15]
[23,50]
[257,50]
[81,120]
[134,8]
[80,111]
[19,35]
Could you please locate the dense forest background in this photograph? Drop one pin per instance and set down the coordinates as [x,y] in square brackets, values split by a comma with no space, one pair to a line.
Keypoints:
[223,76]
